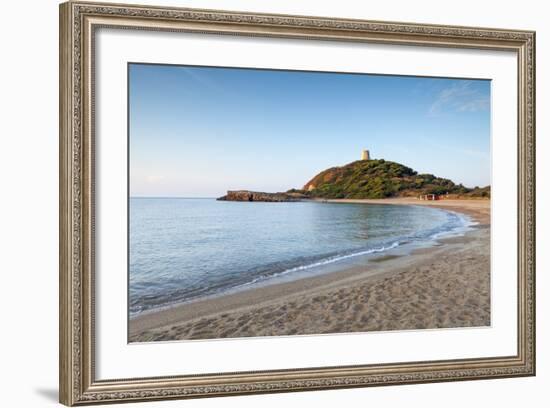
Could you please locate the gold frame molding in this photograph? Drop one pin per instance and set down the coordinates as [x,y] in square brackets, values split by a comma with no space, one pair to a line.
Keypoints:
[78,22]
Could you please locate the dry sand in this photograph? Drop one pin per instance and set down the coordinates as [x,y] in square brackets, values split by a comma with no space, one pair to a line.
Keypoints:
[438,287]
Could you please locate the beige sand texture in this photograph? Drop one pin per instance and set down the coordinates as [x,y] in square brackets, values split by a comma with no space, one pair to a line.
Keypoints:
[444,286]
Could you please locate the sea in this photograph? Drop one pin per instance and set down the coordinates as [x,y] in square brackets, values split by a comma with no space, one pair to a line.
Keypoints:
[186,249]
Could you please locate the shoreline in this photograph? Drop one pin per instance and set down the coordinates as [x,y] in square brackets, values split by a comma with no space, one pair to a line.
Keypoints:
[478,209]
[287,308]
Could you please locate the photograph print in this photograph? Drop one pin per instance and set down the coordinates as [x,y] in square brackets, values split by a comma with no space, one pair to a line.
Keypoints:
[283,203]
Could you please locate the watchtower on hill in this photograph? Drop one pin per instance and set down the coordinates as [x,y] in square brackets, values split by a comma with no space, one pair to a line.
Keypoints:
[365,155]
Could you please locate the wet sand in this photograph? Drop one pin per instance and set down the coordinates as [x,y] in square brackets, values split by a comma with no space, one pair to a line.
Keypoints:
[444,286]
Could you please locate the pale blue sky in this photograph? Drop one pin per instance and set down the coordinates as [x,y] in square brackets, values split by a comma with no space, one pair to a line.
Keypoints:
[197,132]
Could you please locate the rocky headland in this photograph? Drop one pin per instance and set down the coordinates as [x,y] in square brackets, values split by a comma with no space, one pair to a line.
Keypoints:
[246,195]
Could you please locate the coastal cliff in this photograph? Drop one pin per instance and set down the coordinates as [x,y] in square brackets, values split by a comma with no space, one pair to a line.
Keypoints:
[246,195]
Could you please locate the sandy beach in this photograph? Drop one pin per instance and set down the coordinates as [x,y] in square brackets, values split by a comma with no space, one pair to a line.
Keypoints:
[444,286]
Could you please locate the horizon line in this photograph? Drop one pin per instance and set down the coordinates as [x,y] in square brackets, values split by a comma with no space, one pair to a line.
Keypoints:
[188,197]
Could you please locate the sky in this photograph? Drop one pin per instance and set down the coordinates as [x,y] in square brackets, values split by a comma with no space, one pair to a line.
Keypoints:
[199,131]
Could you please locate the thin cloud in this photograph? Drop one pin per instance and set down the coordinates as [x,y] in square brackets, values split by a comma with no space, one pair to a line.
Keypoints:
[460,97]
[202,79]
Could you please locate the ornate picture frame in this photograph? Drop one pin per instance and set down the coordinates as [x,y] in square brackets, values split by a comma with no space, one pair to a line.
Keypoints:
[78,24]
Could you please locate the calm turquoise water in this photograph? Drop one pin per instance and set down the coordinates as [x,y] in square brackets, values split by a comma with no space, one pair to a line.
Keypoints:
[185,249]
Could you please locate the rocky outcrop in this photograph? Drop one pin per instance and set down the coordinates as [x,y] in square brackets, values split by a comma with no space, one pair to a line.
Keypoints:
[246,195]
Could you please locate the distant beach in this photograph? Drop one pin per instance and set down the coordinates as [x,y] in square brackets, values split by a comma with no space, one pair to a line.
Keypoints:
[440,286]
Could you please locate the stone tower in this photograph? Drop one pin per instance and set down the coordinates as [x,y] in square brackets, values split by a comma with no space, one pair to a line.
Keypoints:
[365,155]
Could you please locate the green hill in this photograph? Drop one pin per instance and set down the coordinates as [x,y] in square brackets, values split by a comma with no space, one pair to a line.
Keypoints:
[381,179]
